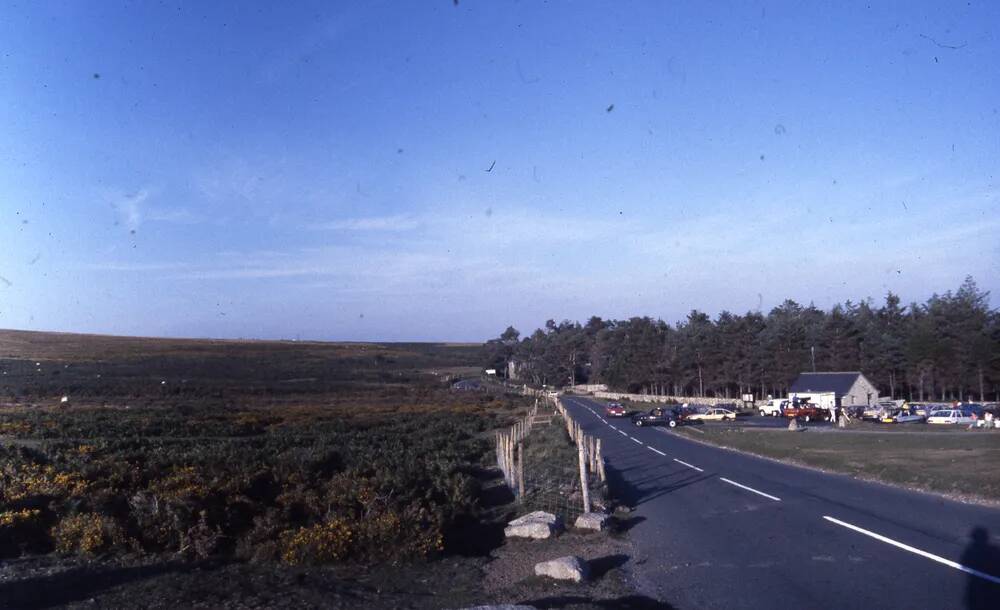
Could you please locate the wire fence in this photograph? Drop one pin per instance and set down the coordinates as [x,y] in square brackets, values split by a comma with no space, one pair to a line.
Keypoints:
[550,464]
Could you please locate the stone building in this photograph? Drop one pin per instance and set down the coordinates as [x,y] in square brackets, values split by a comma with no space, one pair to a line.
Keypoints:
[848,389]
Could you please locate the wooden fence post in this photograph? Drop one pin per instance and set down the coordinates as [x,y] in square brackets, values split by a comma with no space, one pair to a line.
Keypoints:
[600,463]
[520,472]
[510,461]
[584,487]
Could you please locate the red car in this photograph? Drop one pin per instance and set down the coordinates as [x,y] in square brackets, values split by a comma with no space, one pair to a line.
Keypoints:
[806,412]
[614,410]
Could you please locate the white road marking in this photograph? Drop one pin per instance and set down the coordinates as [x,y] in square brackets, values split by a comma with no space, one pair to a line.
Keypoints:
[623,433]
[613,427]
[759,493]
[906,547]
[697,430]
[636,440]
[657,450]
[688,465]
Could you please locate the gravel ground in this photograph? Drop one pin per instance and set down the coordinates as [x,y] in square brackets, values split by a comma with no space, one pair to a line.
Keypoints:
[509,576]
[52,582]
[505,576]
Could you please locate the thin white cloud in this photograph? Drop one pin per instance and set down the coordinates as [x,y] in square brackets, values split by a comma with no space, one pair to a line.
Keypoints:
[174,215]
[396,223]
[134,209]
[127,267]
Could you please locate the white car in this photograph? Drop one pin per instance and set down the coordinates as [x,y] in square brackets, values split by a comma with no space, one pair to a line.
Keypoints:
[950,416]
[714,415]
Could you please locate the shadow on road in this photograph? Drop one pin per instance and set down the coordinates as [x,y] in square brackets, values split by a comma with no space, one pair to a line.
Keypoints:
[980,555]
[73,585]
[628,602]
[634,493]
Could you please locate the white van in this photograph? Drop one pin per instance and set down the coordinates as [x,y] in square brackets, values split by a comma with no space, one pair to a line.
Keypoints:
[773,407]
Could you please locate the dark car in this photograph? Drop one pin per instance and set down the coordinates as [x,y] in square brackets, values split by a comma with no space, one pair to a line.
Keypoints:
[658,417]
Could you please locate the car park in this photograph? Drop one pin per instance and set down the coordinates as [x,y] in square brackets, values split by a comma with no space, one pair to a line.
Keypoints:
[615,409]
[658,416]
[950,416]
[715,414]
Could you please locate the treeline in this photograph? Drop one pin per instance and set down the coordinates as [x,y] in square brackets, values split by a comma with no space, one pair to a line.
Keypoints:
[943,349]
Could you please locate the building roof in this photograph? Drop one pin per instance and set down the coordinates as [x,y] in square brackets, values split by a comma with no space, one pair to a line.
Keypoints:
[838,383]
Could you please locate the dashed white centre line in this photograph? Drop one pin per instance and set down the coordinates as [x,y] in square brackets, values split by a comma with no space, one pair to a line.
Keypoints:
[906,547]
[635,440]
[759,493]
[613,427]
[657,451]
[688,465]
[623,433]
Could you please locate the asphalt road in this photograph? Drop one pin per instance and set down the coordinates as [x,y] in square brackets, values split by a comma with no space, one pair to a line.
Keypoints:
[718,529]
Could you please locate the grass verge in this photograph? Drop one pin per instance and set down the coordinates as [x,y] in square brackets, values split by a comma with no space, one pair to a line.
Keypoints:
[961,466]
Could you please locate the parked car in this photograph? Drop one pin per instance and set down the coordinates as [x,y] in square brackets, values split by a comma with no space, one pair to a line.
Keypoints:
[615,409]
[773,407]
[950,416]
[715,414]
[902,417]
[806,412]
[657,416]
[685,411]
[872,413]
[974,408]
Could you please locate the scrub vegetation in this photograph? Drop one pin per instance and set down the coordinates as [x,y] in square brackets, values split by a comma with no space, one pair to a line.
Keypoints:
[284,452]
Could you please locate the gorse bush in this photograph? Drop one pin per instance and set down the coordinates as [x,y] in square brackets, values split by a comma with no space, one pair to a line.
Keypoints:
[89,534]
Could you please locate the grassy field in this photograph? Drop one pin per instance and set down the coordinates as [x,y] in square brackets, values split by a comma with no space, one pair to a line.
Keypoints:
[956,463]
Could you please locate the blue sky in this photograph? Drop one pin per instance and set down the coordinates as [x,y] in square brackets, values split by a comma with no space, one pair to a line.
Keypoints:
[244,170]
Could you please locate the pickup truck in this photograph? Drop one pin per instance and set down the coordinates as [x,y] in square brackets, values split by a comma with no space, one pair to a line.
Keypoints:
[657,417]
[773,407]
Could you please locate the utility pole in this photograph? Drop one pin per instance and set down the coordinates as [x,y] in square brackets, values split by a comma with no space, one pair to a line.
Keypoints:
[813,350]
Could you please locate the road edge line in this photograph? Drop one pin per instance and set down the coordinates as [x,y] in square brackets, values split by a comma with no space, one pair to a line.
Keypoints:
[688,465]
[741,486]
[915,550]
